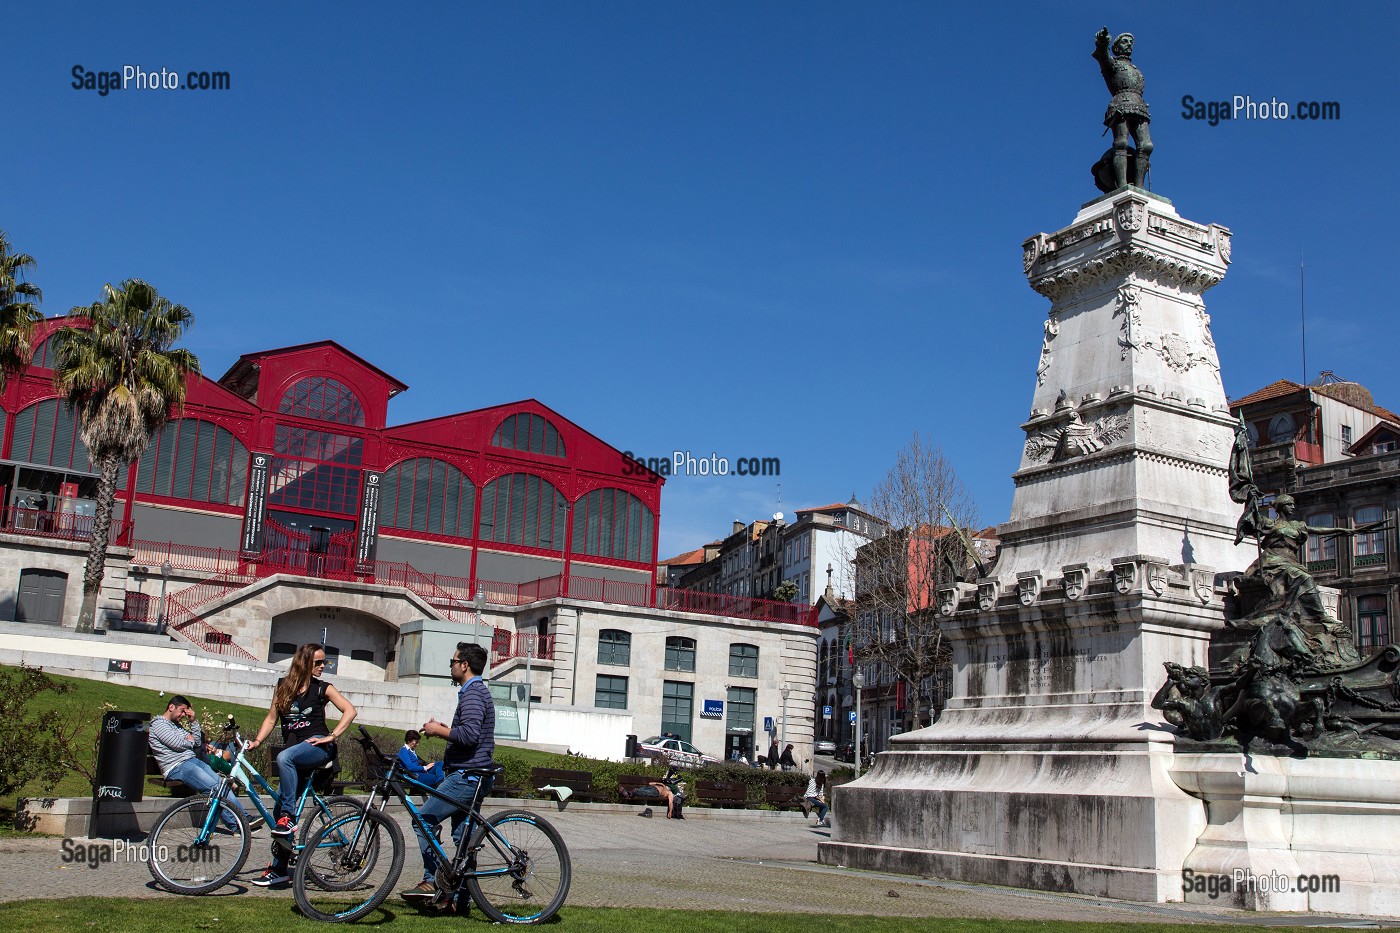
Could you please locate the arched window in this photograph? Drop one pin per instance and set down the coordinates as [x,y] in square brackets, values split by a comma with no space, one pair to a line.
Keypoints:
[323,399]
[43,353]
[527,431]
[614,647]
[47,433]
[524,509]
[197,460]
[1282,429]
[743,660]
[613,523]
[429,495]
[680,654]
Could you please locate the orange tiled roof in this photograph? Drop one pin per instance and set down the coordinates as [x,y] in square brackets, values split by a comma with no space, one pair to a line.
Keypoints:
[1273,390]
[696,556]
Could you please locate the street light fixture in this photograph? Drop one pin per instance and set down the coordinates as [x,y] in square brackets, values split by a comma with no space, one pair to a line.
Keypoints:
[857,681]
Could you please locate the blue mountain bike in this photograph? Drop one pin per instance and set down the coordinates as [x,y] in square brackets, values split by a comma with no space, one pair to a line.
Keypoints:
[200,843]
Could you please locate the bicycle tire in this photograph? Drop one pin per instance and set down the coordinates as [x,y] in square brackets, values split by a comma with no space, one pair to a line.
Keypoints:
[535,876]
[180,862]
[342,874]
[342,806]
[335,807]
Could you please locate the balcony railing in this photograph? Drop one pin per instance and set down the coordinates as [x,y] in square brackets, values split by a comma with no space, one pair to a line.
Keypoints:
[1322,566]
[506,645]
[61,526]
[1368,560]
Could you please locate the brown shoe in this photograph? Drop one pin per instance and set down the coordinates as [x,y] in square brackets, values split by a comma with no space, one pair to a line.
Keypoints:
[422,891]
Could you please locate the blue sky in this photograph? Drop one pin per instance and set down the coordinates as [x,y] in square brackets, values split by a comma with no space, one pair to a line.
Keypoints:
[756,229]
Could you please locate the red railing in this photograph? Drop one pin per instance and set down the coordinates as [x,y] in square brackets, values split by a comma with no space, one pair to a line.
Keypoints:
[63,526]
[182,614]
[187,557]
[506,645]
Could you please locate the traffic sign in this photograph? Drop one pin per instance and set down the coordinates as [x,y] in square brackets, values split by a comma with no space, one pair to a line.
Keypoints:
[852,714]
[826,712]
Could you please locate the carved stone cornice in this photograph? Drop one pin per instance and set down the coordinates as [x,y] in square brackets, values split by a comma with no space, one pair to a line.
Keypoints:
[1116,263]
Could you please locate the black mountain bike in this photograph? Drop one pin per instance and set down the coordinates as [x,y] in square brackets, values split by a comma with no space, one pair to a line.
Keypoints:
[513,864]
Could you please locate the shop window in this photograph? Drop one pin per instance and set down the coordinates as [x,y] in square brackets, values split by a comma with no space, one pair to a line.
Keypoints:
[677,703]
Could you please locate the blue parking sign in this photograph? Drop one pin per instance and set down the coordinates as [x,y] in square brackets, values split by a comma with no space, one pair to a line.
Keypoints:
[852,714]
[826,712]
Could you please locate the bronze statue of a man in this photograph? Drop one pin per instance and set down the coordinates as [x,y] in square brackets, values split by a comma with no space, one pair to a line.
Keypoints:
[1127,113]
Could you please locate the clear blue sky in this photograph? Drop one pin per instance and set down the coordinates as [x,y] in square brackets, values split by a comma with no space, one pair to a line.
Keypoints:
[768,229]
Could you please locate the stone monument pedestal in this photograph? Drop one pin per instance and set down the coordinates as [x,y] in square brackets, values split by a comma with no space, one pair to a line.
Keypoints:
[1049,769]
[1316,834]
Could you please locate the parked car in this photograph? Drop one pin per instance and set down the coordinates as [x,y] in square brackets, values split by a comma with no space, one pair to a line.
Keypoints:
[679,753]
[846,751]
[824,747]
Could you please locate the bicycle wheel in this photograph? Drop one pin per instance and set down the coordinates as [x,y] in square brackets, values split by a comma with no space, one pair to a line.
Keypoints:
[338,808]
[522,868]
[345,872]
[322,810]
[183,859]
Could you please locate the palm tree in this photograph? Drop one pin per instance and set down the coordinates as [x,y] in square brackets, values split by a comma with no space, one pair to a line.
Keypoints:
[19,310]
[115,364]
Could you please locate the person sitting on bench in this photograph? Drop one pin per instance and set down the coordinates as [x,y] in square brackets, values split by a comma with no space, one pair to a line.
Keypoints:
[177,747]
[428,772]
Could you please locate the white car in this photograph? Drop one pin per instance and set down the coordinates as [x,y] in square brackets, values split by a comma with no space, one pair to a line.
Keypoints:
[679,753]
[824,747]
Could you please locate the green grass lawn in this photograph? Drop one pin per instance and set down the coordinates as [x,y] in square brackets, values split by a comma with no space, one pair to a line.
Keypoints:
[261,914]
[88,696]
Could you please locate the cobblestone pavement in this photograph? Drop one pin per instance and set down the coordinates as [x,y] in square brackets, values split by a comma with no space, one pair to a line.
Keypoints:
[743,863]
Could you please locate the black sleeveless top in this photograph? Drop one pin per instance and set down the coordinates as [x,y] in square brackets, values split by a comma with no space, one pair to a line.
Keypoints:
[306,717]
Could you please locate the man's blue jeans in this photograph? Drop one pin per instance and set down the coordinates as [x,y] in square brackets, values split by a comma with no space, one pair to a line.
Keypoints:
[198,775]
[303,756]
[456,786]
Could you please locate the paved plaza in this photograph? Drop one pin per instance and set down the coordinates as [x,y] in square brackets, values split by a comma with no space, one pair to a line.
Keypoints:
[760,862]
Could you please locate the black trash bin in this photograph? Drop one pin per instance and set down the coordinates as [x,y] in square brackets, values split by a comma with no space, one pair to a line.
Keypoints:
[121,757]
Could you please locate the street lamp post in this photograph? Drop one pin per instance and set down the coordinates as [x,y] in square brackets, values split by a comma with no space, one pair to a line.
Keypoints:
[479,604]
[784,690]
[857,681]
[165,570]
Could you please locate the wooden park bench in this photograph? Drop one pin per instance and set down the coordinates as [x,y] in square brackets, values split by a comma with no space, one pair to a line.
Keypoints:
[628,784]
[787,796]
[153,775]
[580,783]
[723,794]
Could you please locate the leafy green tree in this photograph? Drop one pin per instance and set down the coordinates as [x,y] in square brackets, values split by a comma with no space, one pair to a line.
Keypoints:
[786,591]
[19,311]
[30,745]
[116,365]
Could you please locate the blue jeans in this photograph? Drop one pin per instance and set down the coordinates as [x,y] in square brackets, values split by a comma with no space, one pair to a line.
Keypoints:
[817,805]
[456,786]
[199,776]
[301,756]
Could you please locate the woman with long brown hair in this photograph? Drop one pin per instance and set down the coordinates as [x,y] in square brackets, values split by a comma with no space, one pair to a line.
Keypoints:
[300,701]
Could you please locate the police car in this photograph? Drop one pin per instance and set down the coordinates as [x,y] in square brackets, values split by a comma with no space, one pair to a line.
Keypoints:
[679,753]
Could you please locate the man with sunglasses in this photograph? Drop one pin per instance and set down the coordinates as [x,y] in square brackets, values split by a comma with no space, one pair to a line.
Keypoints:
[471,738]
[176,748]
